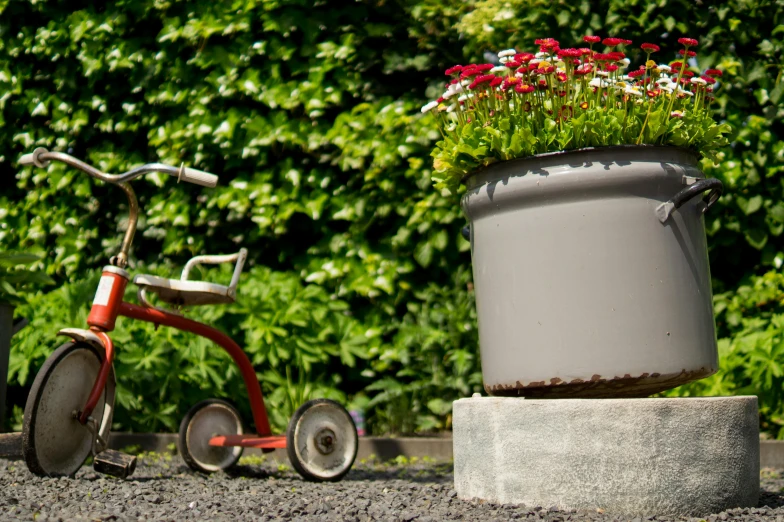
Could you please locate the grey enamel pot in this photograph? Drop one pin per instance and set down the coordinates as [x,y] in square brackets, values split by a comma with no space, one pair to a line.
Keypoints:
[591,272]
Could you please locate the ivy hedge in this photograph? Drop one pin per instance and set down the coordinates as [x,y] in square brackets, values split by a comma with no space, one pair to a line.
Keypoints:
[358,284]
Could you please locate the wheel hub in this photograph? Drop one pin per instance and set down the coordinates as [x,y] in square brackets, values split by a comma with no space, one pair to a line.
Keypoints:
[325,441]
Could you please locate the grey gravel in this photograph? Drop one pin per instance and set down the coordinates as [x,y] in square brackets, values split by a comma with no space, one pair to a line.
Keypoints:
[165,489]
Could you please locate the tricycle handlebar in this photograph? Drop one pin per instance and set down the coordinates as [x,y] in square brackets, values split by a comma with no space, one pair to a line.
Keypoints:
[41,157]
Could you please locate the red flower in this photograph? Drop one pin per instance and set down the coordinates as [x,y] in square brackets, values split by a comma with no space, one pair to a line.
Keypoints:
[547,69]
[508,82]
[600,57]
[688,74]
[688,42]
[584,105]
[616,56]
[569,53]
[654,93]
[626,42]
[484,67]
[453,70]
[468,71]
[479,80]
[685,81]
[713,72]
[583,69]
[649,47]
[440,100]
[592,39]
[684,52]
[708,79]
[611,67]
[524,57]
[550,43]
[676,65]
[524,88]
[585,51]
[561,93]
[495,82]
[513,64]
[561,76]
[612,42]
[637,73]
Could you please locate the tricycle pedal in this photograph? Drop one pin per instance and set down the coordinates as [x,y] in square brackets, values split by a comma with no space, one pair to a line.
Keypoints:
[114,463]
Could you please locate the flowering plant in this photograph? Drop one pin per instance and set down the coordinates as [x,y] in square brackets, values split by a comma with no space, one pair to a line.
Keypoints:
[570,98]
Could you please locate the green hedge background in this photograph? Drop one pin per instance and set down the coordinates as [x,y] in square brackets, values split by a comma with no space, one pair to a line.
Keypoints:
[358,285]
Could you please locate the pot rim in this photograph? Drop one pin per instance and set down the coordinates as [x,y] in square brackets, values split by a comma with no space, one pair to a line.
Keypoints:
[569,152]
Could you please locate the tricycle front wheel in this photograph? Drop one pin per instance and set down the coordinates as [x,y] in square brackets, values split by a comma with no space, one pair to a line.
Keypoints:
[54,442]
[322,441]
[204,421]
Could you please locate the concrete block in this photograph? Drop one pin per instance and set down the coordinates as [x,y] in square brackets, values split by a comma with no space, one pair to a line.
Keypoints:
[689,456]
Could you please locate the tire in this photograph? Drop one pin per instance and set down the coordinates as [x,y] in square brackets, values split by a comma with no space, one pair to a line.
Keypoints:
[54,443]
[205,420]
[322,441]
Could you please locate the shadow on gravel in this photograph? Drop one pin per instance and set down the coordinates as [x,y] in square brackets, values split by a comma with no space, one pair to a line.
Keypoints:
[771,500]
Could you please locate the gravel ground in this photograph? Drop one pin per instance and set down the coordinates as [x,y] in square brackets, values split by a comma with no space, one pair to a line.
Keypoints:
[165,489]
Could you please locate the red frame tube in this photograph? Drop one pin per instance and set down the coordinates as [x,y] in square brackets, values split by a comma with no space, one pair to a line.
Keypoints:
[158,317]
[250,441]
[100,381]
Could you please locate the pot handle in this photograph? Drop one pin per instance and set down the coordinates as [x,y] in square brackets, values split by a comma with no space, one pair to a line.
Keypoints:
[715,187]
[466,233]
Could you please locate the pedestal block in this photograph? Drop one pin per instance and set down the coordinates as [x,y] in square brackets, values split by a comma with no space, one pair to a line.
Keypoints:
[685,456]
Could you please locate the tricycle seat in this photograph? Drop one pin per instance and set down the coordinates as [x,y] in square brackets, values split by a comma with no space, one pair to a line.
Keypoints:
[181,292]
[184,293]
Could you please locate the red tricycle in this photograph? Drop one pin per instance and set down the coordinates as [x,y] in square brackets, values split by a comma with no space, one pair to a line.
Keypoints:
[68,414]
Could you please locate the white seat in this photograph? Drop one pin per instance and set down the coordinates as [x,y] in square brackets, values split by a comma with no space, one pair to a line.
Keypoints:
[181,292]
[184,293]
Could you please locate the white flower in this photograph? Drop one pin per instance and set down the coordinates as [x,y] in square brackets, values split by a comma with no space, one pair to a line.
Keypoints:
[504,59]
[534,62]
[541,54]
[451,108]
[430,106]
[466,82]
[633,91]
[519,75]
[687,93]
[598,82]
[664,81]
[602,73]
[498,69]
[698,81]
[664,68]
[624,63]
[676,114]
[508,52]
[465,97]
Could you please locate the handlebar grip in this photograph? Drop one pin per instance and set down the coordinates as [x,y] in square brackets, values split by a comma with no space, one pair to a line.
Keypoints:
[27,160]
[198,177]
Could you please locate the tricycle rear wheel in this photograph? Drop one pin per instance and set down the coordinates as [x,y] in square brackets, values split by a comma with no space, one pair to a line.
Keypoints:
[205,420]
[322,441]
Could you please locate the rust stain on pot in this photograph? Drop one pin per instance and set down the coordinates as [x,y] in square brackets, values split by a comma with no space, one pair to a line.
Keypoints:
[626,386]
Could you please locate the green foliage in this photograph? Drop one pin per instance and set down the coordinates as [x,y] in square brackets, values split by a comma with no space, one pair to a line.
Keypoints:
[14,276]
[309,113]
